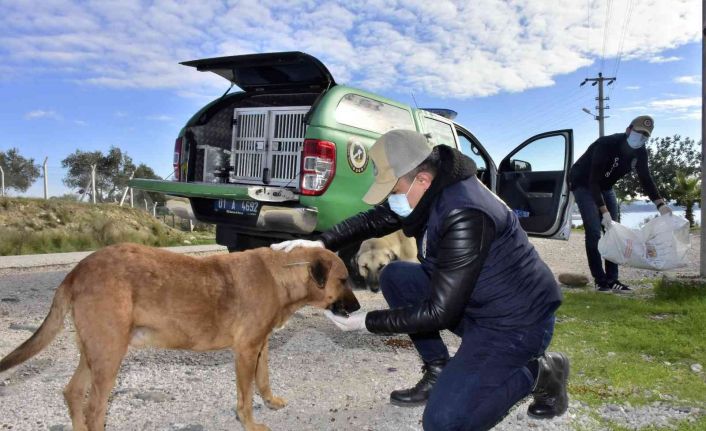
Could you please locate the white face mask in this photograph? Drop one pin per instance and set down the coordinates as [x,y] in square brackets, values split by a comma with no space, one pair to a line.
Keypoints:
[636,140]
[399,203]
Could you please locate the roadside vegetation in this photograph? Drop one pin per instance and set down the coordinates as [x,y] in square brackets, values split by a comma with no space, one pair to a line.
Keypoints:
[30,226]
[638,349]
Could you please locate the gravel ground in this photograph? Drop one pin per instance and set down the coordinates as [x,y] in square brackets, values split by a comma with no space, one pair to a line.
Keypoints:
[332,380]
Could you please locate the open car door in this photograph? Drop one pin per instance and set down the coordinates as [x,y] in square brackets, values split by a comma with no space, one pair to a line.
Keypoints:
[533,181]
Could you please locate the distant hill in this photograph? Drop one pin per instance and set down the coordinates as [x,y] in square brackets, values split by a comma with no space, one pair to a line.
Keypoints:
[29,226]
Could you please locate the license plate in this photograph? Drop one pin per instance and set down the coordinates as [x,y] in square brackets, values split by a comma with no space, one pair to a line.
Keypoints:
[230,206]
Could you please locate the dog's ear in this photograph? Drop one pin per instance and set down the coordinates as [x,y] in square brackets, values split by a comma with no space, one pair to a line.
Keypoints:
[319,270]
[392,255]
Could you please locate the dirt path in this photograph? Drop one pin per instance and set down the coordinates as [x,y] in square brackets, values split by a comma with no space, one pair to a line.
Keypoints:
[333,380]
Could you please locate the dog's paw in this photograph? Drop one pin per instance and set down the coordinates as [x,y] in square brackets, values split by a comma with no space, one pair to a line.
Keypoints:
[275,403]
[257,427]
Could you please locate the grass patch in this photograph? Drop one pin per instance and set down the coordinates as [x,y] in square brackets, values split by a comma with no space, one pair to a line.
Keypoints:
[636,349]
[29,226]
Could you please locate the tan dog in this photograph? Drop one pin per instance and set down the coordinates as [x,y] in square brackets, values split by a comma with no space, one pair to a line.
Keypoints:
[375,253]
[130,294]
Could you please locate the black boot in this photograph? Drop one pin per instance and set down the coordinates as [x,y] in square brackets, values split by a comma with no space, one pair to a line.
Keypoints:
[419,394]
[550,396]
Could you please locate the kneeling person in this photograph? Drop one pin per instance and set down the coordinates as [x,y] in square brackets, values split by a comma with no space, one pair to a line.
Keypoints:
[478,276]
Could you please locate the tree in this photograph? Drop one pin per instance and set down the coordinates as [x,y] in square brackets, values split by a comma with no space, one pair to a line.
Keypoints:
[144,171]
[687,193]
[666,156]
[20,172]
[112,172]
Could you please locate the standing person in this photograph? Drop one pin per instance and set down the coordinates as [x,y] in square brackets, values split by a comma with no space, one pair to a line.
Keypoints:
[592,178]
[479,276]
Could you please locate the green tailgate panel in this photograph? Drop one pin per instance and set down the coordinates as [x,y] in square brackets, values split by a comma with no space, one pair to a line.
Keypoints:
[191,190]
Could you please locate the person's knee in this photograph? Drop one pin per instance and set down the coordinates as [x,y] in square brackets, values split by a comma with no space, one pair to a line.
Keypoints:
[445,418]
[389,276]
[440,418]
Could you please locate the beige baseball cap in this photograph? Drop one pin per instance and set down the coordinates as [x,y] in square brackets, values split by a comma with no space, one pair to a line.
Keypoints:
[394,155]
[643,123]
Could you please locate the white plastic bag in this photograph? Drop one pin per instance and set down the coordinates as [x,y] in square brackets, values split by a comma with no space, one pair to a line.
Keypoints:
[660,245]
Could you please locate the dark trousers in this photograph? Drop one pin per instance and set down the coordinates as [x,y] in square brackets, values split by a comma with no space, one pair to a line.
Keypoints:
[488,374]
[591,217]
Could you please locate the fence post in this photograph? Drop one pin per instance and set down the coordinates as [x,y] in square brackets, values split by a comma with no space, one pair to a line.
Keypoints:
[93,182]
[46,182]
[2,180]
[122,200]
[154,210]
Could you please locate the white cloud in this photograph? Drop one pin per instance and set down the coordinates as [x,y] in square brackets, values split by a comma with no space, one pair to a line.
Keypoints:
[678,108]
[80,123]
[659,59]
[456,49]
[693,115]
[632,87]
[39,113]
[680,104]
[681,108]
[160,118]
[690,79]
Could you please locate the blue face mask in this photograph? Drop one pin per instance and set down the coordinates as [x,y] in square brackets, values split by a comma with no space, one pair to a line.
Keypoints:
[636,140]
[399,203]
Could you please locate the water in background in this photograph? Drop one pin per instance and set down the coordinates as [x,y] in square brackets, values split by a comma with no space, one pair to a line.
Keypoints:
[633,219]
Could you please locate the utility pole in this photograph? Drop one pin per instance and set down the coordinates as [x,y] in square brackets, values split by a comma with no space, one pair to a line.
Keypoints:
[93,182]
[46,182]
[702,265]
[601,108]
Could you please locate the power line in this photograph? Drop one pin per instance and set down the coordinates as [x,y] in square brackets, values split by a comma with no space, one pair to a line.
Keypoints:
[550,106]
[573,100]
[588,25]
[626,25]
[605,32]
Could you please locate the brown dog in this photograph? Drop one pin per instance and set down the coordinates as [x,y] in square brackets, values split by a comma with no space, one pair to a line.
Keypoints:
[130,294]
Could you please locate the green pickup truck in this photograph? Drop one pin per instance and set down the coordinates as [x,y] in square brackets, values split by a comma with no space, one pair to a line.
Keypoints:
[287,157]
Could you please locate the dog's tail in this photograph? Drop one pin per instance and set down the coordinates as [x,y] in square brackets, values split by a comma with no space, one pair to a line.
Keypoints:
[52,325]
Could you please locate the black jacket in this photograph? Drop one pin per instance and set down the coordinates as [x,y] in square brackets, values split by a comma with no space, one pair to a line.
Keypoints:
[606,161]
[467,235]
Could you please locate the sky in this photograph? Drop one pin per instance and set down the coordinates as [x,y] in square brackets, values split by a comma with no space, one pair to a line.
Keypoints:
[89,75]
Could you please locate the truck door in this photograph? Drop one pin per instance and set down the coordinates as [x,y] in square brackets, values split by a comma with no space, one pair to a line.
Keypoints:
[533,181]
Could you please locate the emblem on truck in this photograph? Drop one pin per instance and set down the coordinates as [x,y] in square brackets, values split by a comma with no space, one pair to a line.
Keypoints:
[357,156]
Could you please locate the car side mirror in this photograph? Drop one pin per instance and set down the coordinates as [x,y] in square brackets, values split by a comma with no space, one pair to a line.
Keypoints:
[520,165]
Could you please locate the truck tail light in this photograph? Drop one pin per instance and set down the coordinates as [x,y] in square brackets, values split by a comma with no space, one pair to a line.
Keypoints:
[318,166]
[177,160]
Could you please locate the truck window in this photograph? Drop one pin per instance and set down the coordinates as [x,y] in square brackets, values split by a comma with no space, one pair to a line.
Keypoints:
[468,148]
[441,133]
[368,114]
